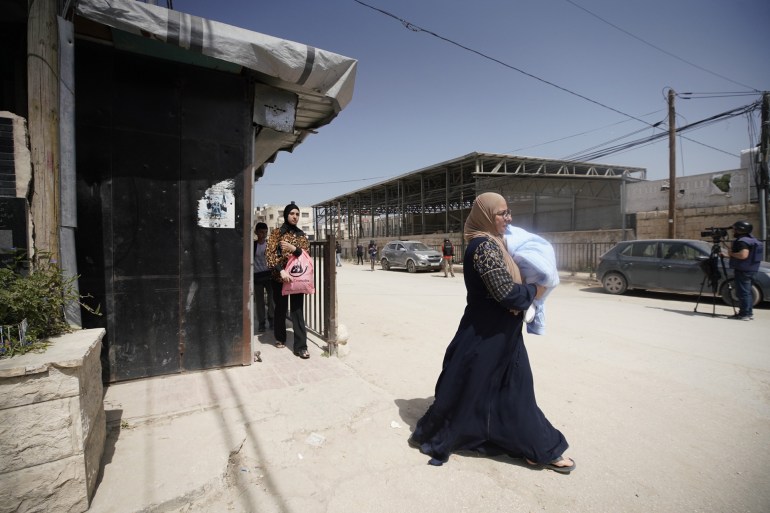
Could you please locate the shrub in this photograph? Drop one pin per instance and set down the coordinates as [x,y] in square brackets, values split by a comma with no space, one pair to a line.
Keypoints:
[37,297]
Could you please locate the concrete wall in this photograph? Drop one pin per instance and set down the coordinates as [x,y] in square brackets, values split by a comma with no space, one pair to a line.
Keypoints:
[692,192]
[52,426]
[690,222]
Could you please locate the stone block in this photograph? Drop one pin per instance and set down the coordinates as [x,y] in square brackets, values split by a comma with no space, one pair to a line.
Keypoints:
[737,209]
[52,425]
[93,450]
[55,486]
[34,434]
[49,384]
[91,390]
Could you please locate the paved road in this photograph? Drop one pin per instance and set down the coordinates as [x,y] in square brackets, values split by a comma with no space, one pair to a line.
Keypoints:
[666,410]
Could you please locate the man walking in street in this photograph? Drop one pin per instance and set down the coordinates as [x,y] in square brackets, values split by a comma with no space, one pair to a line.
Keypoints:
[448,250]
[372,252]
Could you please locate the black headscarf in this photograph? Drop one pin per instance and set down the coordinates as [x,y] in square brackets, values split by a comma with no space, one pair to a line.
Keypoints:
[287,226]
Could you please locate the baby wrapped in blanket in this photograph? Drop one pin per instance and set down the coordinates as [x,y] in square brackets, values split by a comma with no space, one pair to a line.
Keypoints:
[537,262]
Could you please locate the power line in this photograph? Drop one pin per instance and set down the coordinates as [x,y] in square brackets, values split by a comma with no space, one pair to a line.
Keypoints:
[416,28]
[694,96]
[582,133]
[586,157]
[659,48]
[323,183]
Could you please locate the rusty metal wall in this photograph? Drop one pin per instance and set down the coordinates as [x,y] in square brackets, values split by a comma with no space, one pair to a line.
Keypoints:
[152,138]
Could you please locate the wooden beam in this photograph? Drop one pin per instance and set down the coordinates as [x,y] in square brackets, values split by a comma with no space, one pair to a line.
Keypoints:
[43,123]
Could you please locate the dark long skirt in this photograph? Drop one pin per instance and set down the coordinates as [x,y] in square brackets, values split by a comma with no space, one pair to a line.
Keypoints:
[485,397]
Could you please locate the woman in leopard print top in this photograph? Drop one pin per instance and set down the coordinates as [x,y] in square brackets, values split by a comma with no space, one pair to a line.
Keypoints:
[284,241]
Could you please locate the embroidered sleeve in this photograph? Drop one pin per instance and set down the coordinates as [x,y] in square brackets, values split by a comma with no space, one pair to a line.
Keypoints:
[488,262]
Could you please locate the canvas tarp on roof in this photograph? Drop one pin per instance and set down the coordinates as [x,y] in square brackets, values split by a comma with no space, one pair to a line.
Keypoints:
[281,63]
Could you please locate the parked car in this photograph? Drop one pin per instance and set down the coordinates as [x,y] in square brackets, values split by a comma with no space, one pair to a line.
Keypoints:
[674,265]
[411,254]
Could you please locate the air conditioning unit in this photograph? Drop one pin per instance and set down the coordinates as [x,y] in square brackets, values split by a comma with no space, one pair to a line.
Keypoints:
[15,176]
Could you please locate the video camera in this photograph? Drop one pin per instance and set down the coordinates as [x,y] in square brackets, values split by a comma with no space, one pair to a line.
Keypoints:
[715,234]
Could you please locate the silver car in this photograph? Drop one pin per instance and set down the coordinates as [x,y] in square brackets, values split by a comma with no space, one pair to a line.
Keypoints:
[675,265]
[411,254]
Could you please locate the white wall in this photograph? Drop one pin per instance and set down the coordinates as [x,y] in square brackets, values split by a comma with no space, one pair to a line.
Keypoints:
[692,192]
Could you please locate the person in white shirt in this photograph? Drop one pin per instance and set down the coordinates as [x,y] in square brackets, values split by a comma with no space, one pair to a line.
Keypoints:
[262,280]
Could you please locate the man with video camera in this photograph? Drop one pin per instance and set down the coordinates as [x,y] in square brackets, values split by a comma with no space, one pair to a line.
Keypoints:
[745,255]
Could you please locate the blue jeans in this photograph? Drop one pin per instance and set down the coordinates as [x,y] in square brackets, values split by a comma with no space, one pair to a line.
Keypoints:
[743,292]
[262,286]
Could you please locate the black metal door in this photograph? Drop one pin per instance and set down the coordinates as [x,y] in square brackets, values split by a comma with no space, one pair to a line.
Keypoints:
[153,138]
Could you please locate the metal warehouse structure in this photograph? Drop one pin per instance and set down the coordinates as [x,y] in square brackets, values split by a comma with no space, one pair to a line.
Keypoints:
[544,196]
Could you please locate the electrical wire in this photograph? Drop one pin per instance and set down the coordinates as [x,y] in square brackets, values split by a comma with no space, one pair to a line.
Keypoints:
[690,96]
[416,28]
[642,142]
[753,136]
[619,138]
[323,183]
[580,133]
[588,156]
[754,90]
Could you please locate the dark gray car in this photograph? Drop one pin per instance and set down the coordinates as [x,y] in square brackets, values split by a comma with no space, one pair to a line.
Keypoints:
[411,254]
[675,265]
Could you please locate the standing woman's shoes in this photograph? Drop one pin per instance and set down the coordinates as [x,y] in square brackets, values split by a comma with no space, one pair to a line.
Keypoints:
[302,354]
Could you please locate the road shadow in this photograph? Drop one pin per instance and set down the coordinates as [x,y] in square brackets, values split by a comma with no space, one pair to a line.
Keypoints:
[593,290]
[706,298]
[410,410]
[694,313]
[114,422]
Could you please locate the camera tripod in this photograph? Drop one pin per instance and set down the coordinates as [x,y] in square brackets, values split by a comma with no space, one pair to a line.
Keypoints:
[711,267]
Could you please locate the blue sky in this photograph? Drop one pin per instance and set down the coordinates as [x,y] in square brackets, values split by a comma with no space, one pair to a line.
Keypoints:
[420,100]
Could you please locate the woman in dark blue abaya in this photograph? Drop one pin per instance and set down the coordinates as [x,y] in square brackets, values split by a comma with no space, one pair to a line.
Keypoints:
[485,397]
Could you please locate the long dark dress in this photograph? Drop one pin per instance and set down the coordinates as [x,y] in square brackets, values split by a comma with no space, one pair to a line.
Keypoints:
[485,397]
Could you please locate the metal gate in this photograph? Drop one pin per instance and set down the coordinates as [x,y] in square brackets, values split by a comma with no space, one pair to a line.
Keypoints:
[321,307]
[161,147]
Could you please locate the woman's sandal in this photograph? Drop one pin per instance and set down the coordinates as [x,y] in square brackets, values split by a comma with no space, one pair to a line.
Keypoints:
[303,354]
[566,469]
[280,345]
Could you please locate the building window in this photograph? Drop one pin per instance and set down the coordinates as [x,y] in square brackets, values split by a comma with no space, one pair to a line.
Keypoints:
[305,214]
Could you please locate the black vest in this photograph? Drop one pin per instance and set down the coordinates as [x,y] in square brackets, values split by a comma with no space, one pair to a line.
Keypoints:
[751,263]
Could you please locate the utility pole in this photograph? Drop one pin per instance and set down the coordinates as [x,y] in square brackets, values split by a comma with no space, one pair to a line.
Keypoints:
[43,106]
[339,221]
[671,165]
[762,160]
